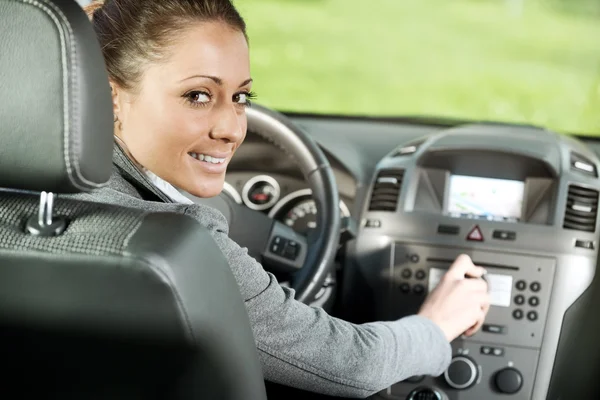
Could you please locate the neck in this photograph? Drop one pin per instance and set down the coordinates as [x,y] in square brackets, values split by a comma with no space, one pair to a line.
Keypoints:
[136,174]
[125,149]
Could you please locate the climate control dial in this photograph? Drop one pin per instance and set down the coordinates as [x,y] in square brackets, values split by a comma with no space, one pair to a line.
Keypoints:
[462,373]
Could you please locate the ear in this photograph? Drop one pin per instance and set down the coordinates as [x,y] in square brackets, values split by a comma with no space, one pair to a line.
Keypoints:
[117,97]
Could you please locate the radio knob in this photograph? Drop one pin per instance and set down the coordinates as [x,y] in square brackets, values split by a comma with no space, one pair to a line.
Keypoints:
[462,373]
[508,380]
[425,393]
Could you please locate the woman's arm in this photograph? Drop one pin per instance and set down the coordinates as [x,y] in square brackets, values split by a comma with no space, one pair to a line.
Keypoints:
[304,347]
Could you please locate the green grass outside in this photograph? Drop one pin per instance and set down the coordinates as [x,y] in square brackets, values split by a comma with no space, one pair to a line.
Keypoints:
[471,59]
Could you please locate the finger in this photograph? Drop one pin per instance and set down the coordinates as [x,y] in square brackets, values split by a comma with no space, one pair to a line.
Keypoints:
[463,267]
[473,330]
[486,308]
[460,267]
[476,272]
[475,287]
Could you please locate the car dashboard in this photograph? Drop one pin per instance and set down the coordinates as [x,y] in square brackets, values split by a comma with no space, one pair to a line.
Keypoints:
[521,201]
[265,179]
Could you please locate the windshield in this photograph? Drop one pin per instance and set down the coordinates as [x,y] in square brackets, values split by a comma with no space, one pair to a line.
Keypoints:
[518,61]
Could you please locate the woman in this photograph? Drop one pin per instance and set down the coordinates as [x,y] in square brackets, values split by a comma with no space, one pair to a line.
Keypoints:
[180,77]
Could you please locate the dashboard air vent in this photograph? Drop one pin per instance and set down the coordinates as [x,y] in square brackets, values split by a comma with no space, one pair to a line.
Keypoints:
[582,209]
[386,190]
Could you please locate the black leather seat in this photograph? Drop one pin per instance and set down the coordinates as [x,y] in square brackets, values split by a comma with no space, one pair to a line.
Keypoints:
[96,301]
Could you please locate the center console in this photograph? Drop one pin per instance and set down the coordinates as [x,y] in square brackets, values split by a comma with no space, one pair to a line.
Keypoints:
[522,203]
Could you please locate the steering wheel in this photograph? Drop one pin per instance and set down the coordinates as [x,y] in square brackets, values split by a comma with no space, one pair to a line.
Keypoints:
[307,260]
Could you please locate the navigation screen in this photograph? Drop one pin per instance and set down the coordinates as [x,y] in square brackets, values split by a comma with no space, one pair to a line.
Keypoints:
[493,199]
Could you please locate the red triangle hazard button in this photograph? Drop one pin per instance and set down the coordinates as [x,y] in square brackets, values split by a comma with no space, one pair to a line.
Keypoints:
[475,234]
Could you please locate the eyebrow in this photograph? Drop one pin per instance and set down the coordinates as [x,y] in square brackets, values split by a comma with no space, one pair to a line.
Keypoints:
[216,79]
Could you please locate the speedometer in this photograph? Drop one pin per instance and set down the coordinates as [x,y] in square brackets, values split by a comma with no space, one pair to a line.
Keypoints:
[299,211]
[302,217]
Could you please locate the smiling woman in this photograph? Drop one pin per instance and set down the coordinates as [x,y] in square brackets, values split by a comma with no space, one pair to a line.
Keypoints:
[179,71]
[187,146]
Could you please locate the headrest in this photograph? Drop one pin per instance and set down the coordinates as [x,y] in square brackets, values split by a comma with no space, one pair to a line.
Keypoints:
[56,120]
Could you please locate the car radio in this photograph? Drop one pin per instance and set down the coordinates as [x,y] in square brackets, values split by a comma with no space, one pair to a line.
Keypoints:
[506,349]
[522,203]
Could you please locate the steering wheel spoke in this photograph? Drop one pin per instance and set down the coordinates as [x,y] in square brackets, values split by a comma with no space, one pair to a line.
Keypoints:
[307,261]
[286,250]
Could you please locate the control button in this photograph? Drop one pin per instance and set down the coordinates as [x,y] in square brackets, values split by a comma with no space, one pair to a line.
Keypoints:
[475,235]
[517,314]
[491,328]
[414,258]
[535,286]
[415,379]
[498,351]
[420,274]
[521,285]
[519,299]
[405,288]
[585,244]
[424,393]
[291,250]
[532,315]
[448,229]
[373,223]
[508,380]
[462,373]
[406,273]
[278,245]
[534,301]
[418,289]
[504,235]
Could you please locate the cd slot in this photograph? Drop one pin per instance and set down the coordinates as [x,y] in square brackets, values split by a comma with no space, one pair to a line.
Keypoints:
[480,264]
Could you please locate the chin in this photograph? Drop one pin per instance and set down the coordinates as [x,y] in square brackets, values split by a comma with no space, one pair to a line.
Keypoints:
[207,187]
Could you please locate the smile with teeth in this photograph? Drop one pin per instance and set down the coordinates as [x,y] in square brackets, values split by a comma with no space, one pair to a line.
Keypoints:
[206,158]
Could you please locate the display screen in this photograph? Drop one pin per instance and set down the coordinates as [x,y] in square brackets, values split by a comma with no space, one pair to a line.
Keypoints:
[485,198]
[500,286]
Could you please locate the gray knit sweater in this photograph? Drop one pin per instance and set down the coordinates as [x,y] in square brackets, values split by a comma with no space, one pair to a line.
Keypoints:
[298,345]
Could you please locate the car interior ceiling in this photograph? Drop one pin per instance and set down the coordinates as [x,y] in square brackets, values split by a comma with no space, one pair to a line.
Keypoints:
[413,193]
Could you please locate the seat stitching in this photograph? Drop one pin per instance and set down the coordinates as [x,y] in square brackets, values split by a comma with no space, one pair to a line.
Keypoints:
[73,170]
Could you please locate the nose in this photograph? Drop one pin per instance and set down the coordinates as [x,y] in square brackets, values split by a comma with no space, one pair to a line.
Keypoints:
[229,126]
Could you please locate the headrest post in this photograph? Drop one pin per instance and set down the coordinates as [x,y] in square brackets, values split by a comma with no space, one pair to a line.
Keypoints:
[45,212]
[44,224]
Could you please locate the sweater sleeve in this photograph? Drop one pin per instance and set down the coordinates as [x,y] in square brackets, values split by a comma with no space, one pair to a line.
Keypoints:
[304,347]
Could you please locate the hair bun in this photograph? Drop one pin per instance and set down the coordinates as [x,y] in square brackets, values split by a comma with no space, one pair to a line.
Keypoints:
[91,8]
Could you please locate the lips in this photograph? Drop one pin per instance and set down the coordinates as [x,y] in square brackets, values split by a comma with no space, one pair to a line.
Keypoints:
[213,163]
[208,158]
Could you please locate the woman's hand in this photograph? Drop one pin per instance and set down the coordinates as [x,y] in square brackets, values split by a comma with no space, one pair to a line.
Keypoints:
[458,305]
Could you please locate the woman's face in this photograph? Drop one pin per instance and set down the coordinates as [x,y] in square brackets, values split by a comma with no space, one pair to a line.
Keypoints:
[187,117]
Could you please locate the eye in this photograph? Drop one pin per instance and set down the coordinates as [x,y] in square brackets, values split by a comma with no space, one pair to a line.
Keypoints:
[244,98]
[197,98]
